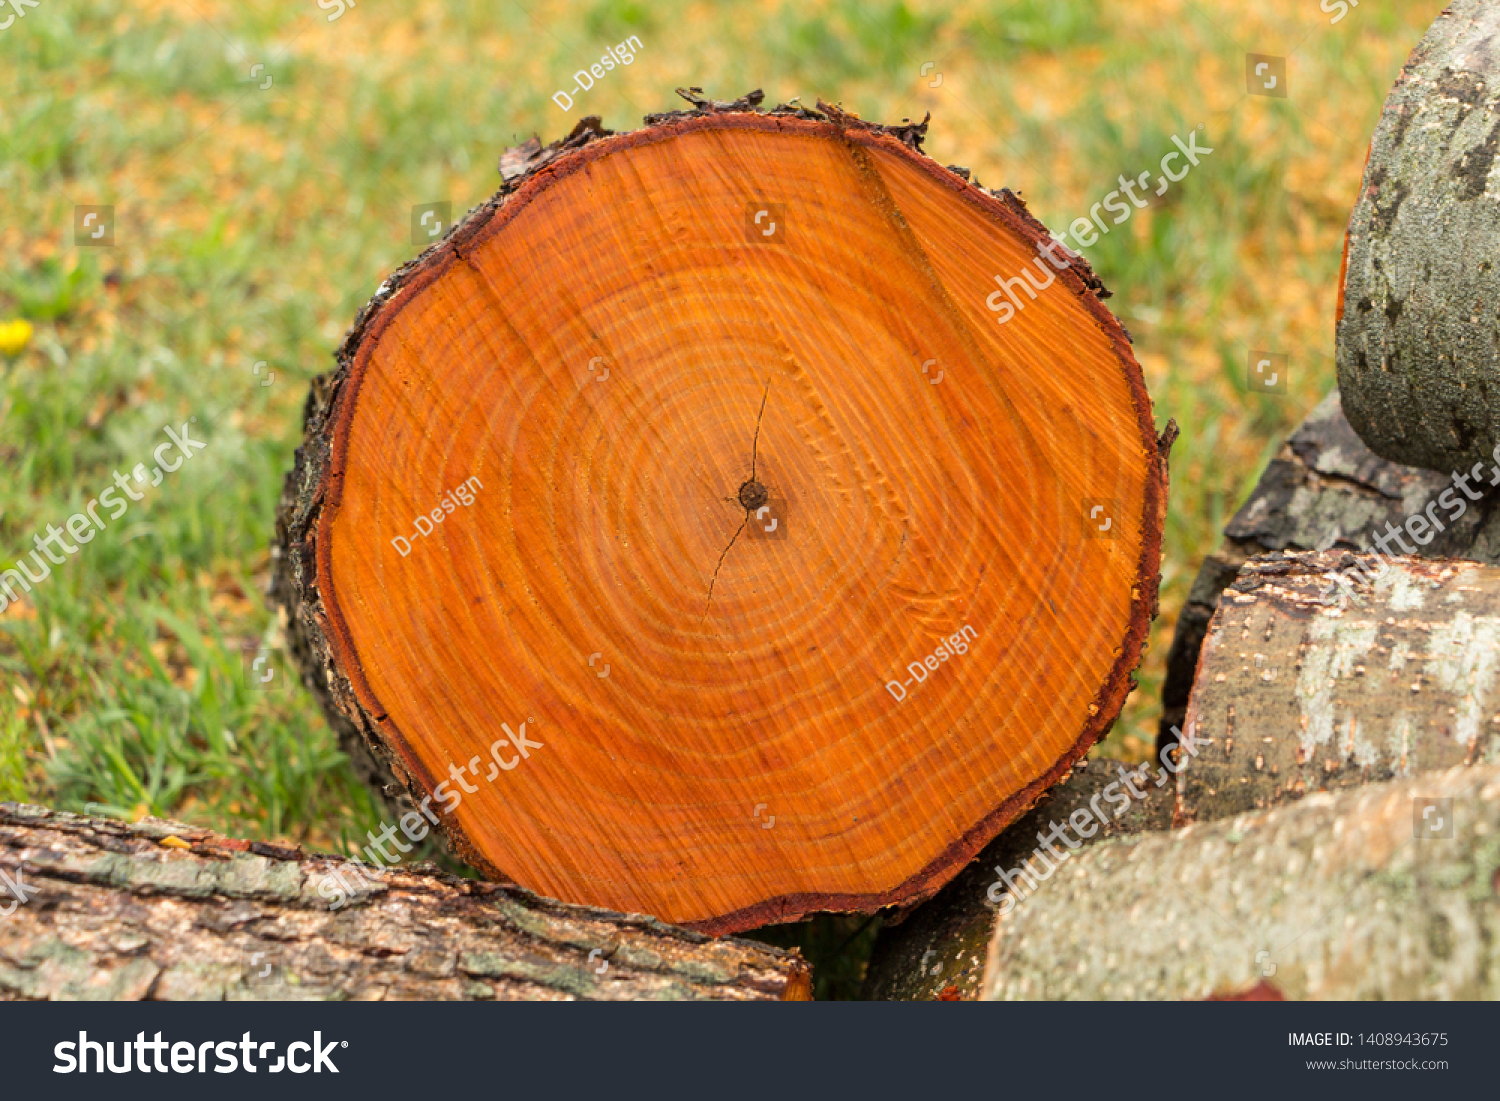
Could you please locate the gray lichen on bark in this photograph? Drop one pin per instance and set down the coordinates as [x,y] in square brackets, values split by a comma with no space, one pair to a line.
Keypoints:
[1303,687]
[1324,490]
[1419,339]
[1334,897]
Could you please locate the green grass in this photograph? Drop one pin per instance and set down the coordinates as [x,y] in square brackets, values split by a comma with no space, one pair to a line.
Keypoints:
[253,223]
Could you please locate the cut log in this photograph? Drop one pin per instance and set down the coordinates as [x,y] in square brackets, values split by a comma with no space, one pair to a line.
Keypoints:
[719,455]
[1354,895]
[1324,490]
[936,952]
[1418,343]
[1330,670]
[164,911]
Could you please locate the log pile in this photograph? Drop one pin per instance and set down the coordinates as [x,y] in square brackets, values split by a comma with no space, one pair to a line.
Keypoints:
[642,549]
[1336,673]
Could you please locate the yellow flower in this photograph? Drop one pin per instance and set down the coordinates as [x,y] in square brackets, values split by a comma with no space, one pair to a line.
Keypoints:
[14,336]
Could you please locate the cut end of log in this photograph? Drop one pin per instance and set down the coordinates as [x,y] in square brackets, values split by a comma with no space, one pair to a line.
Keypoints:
[733,519]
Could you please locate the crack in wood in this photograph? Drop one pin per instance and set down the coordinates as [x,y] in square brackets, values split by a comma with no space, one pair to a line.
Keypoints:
[754,452]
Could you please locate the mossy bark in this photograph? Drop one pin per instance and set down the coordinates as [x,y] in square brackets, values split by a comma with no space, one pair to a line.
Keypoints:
[160,910]
[1334,897]
[1418,343]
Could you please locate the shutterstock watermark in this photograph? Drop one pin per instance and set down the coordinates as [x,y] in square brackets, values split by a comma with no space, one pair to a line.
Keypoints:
[189,1058]
[1423,527]
[428,220]
[1265,75]
[20,7]
[82,528]
[341,5]
[622,54]
[1086,231]
[1005,893]
[17,889]
[337,888]
[1340,6]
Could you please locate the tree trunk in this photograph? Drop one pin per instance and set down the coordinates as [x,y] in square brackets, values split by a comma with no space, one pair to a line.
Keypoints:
[719,456]
[937,950]
[1354,895]
[1324,490]
[1418,332]
[165,911]
[1307,685]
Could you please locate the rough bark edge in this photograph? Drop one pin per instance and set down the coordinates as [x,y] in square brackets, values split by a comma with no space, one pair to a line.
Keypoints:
[1299,587]
[315,629]
[82,873]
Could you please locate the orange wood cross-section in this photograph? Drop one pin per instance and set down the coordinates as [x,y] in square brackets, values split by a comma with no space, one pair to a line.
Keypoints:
[716,438]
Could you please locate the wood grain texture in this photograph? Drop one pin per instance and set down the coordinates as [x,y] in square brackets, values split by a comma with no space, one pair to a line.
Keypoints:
[1418,337]
[164,911]
[1301,691]
[1331,898]
[746,673]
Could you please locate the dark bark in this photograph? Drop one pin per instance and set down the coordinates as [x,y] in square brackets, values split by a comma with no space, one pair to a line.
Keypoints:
[1334,897]
[161,910]
[1419,332]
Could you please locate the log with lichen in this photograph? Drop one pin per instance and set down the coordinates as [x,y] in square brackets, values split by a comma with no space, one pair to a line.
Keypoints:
[1418,334]
[163,911]
[1330,670]
[1325,489]
[1350,895]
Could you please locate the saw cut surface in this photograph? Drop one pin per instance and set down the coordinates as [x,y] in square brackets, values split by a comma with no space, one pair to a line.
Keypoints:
[711,498]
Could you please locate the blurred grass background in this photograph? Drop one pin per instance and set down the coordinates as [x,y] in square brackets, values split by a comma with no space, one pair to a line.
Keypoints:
[252,222]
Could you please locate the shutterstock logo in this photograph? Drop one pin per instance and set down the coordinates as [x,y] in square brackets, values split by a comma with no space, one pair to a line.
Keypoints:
[188,1058]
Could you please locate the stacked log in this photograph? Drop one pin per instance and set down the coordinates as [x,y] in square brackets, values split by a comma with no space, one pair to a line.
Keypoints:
[1324,490]
[1330,670]
[165,911]
[1341,896]
[1418,332]
[937,950]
